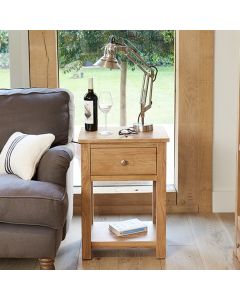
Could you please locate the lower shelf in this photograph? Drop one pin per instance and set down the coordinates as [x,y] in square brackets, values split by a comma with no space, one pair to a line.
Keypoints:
[102,237]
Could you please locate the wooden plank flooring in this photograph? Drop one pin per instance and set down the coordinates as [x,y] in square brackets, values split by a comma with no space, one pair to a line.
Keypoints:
[193,242]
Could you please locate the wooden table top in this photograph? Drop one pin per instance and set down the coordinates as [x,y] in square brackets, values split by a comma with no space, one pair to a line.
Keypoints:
[158,135]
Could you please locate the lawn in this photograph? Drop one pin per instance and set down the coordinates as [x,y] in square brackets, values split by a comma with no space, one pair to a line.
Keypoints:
[162,110]
[4,78]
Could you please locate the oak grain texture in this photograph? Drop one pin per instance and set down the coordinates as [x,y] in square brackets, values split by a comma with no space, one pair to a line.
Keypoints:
[138,210]
[120,145]
[158,135]
[128,200]
[183,251]
[137,177]
[111,161]
[43,61]
[160,194]
[184,257]
[226,221]
[86,201]
[194,118]
[121,164]
[213,242]
[103,238]
[154,202]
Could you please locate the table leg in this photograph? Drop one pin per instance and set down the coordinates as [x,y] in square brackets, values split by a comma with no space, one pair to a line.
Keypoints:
[92,197]
[154,203]
[161,202]
[86,202]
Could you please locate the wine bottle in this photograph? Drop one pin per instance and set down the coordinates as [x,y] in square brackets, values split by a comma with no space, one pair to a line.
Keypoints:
[91,108]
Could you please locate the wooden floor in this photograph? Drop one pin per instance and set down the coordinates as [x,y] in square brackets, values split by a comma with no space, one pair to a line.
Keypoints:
[193,242]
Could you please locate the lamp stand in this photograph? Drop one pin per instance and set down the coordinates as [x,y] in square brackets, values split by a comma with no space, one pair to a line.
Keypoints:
[109,60]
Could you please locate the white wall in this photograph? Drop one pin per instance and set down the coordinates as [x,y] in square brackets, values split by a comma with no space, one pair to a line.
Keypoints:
[19,58]
[226,87]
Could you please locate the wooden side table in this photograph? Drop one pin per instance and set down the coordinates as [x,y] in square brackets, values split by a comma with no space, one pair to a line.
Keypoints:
[118,158]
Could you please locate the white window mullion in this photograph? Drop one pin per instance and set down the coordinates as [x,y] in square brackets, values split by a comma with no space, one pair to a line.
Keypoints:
[19,58]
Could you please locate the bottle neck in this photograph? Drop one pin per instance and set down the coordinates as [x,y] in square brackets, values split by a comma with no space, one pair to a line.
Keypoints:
[90,83]
[90,90]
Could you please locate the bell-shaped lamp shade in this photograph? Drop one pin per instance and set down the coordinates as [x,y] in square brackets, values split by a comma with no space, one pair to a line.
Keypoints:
[108,60]
[105,62]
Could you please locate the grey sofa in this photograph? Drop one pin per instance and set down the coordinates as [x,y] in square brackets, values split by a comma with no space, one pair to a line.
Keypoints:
[35,214]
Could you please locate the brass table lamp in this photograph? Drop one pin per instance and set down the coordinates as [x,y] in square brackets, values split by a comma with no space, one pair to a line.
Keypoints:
[109,60]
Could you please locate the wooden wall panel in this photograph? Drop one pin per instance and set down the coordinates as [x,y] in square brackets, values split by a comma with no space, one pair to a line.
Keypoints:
[194,118]
[126,200]
[43,62]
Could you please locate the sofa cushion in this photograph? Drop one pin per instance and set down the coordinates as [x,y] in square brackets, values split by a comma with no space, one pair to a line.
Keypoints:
[36,111]
[22,153]
[32,202]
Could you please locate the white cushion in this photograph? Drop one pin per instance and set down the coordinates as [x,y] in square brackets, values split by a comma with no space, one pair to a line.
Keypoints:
[22,153]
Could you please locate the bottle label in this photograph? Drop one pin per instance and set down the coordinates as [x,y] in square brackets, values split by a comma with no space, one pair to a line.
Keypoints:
[88,107]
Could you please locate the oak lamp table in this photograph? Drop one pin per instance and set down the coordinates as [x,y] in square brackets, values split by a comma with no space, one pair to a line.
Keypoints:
[115,157]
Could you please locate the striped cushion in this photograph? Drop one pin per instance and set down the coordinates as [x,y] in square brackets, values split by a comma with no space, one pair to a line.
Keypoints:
[22,153]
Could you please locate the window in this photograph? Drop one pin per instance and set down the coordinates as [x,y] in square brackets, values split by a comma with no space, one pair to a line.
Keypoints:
[78,50]
[4,60]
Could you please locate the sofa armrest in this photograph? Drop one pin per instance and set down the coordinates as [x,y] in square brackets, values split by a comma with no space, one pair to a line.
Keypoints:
[54,165]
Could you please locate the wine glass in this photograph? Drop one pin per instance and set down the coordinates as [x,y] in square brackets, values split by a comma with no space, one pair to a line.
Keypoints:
[105,105]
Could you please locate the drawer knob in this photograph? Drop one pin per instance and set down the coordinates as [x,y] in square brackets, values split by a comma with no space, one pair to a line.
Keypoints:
[124,162]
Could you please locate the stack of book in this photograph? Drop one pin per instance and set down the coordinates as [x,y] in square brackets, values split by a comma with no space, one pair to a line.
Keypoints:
[124,228]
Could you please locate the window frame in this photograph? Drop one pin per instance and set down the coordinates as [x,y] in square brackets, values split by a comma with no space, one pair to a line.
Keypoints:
[77,159]
[19,58]
[193,49]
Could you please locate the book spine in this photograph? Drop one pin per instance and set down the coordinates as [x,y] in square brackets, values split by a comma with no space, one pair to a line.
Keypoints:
[127,232]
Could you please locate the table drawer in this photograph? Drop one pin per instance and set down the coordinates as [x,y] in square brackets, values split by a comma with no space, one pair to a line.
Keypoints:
[123,161]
